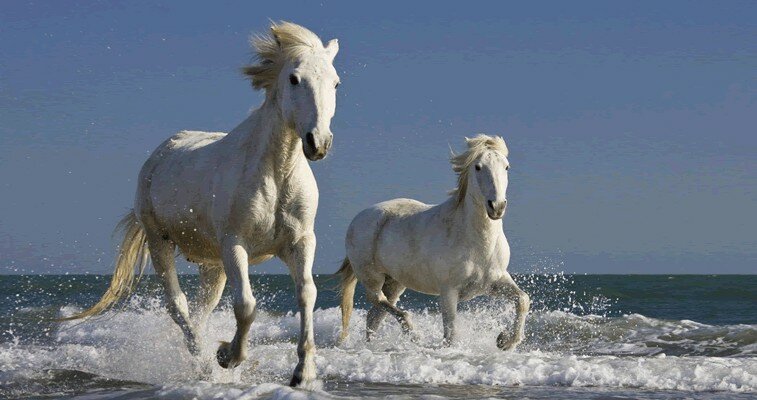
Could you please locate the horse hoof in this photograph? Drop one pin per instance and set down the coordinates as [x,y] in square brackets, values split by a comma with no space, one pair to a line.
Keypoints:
[223,355]
[341,340]
[296,380]
[506,342]
[407,324]
[302,379]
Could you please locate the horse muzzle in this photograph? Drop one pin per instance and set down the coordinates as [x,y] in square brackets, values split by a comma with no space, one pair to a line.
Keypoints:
[316,148]
[496,209]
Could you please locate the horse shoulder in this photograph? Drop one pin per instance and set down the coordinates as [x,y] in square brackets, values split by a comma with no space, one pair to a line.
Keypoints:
[266,212]
[247,211]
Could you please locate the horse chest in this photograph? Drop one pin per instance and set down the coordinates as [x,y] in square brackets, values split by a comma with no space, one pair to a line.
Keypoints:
[269,217]
[473,281]
[477,274]
[254,216]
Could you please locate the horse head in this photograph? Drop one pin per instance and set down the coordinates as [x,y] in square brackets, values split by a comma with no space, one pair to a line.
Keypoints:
[297,71]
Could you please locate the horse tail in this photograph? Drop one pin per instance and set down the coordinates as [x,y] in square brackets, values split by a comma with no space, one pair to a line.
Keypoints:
[133,255]
[347,291]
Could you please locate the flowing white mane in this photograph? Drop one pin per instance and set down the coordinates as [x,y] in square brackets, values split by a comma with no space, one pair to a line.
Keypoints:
[285,42]
[461,162]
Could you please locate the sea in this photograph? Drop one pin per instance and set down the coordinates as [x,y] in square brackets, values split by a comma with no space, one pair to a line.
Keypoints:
[587,337]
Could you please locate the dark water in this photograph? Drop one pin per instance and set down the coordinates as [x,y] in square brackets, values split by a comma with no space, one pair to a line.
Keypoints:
[595,336]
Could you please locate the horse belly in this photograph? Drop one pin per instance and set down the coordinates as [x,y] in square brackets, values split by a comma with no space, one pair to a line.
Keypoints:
[419,284]
[182,217]
[405,253]
[406,266]
[195,241]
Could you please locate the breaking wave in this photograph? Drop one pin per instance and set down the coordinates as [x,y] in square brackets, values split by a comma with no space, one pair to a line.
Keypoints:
[141,347]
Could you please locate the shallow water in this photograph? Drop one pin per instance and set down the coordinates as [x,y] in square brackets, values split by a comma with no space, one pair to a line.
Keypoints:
[602,337]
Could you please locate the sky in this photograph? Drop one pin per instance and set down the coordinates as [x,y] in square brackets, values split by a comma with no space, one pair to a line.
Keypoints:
[631,126]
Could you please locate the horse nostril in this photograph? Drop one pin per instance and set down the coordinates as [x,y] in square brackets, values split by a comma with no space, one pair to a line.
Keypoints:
[310,139]
[491,204]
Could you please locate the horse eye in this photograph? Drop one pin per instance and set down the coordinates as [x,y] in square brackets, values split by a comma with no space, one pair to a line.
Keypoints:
[337,85]
[507,168]
[478,167]
[293,79]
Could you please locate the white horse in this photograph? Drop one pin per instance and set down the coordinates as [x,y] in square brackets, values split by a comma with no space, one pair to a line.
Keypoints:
[229,200]
[456,249]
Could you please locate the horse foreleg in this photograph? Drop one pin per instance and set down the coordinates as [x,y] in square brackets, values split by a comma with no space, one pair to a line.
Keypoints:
[212,282]
[299,259]
[448,305]
[373,319]
[235,260]
[508,289]
[162,253]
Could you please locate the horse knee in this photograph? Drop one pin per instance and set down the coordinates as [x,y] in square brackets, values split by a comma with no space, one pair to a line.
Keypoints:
[524,302]
[177,305]
[307,293]
[376,297]
[244,308]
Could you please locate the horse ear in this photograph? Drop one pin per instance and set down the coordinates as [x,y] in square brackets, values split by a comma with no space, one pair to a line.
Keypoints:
[507,149]
[332,47]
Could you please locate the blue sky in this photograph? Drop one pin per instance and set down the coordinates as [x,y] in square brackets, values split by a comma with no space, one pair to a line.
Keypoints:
[631,125]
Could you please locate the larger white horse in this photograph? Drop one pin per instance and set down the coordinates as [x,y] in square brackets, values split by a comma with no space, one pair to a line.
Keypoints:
[229,200]
[456,249]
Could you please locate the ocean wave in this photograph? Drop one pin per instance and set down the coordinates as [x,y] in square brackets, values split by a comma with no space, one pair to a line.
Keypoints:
[142,344]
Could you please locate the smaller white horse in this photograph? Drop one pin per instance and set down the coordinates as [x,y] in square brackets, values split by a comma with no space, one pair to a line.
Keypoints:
[456,249]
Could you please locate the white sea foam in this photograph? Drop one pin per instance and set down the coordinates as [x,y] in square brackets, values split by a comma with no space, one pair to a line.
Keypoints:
[561,349]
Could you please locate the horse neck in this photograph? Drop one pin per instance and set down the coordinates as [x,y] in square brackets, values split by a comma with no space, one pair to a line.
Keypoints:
[267,145]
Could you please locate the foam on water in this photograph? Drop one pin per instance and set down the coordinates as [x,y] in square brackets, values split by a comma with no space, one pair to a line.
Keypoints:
[142,344]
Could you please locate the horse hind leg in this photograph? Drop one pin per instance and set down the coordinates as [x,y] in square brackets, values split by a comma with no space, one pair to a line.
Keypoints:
[212,283]
[375,294]
[392,290]
[375,315]
[162,253]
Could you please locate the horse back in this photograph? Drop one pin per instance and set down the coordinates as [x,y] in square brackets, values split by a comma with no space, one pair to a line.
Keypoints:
[383,233]
[171,199]
[176,163]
